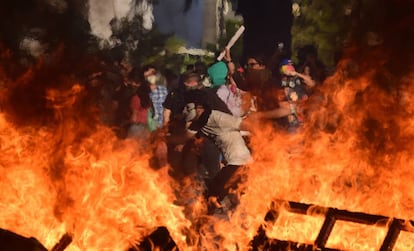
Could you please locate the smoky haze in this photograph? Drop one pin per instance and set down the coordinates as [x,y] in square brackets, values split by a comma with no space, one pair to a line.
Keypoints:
[171,17]
[58,40]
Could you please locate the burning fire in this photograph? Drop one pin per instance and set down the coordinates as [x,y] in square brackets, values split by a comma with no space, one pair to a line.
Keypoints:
[99,190]
[354,153]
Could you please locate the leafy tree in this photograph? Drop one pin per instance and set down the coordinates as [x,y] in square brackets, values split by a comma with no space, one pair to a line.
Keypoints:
[322,23]
[137,43]
[140,47]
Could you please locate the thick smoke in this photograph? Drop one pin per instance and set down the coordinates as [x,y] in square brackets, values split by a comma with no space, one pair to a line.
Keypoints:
[34,28]
[102,12]
[50,47]
[32,46]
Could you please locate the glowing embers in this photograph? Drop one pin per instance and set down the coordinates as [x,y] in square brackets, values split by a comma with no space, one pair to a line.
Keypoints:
[290,226]
[297,226]
[405,241]
[355,236]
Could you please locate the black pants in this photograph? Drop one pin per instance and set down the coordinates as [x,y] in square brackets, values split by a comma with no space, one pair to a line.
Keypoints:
[228,178]
[203,159]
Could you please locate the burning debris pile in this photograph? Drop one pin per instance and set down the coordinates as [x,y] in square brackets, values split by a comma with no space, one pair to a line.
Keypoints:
[331,216]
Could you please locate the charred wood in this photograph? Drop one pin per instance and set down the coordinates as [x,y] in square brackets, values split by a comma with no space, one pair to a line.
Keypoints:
[10,241]
[63,243]
[160,239]
[262,242]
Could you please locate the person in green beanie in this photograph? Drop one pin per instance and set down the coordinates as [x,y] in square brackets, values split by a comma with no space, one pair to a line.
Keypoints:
[218,73]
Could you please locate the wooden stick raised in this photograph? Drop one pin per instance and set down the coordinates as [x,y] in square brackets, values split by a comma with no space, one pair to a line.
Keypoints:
[232,41]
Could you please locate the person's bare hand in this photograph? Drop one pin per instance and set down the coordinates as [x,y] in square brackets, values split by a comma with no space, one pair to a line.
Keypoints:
[227,55]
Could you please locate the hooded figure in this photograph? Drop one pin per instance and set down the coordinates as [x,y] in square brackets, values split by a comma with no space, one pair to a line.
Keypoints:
[218,73]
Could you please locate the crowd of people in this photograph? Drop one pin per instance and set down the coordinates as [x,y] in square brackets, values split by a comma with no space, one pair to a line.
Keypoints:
[199,122]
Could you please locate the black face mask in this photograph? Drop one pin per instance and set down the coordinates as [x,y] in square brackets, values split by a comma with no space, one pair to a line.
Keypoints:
[257,78]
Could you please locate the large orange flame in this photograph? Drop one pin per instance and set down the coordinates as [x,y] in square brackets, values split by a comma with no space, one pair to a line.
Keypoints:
[354,153]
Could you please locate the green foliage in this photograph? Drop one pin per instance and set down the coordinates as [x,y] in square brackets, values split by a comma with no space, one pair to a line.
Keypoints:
[324,24]
[150,46]
[169,57]
[138,46]
[173,44]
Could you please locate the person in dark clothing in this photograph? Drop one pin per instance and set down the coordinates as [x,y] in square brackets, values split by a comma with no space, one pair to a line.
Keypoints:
[189,157]
[225,130]
[259,81]
[121,99]
[309,61]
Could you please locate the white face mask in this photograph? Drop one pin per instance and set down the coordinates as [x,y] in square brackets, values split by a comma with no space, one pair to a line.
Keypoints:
[152,79]
[189,112]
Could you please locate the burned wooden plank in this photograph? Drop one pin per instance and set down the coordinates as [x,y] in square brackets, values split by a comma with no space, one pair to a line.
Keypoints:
[63,243]
[160,239]
[390,239]
[279,245]
[356,217]
[332,215]
[10,241]
[326,229]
